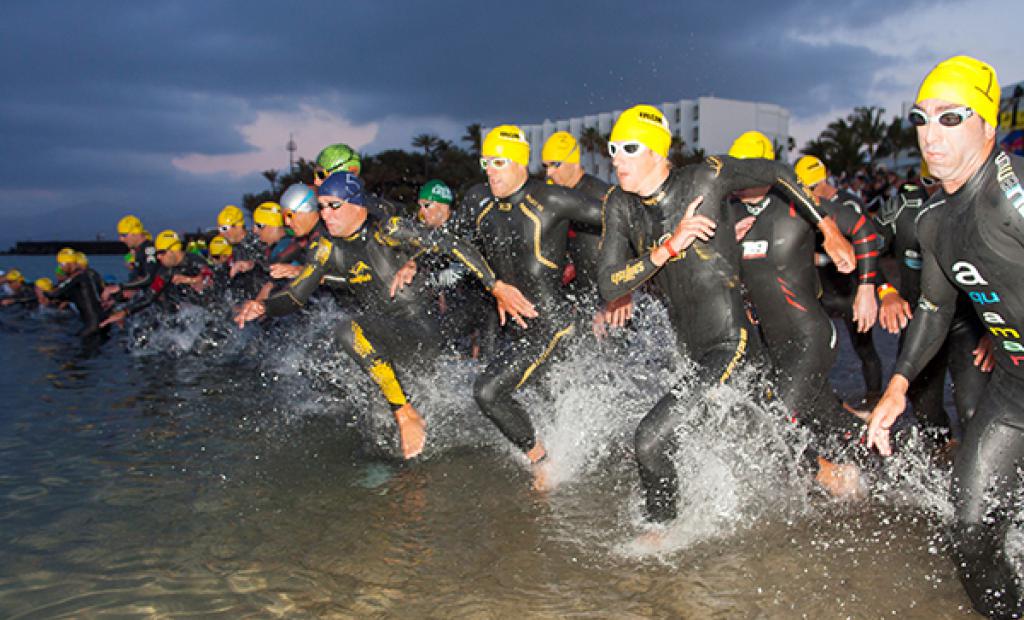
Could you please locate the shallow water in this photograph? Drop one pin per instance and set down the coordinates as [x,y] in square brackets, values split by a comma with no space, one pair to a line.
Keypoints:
[253,480]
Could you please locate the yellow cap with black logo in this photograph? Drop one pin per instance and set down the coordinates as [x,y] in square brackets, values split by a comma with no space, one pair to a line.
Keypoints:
[268,214]
[230,216]
[645,124]
[167,240]
[66,255]
[810,170]
[129,225]
[752,145]
[507,141]
[561,147]
[966,81]
[219,246]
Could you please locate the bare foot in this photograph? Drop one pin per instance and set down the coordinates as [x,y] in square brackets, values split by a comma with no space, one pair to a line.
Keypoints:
[651,541]
[540,474]
[841,481]
[412,431]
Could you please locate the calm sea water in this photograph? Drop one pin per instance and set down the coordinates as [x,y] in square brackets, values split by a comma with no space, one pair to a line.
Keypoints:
[205,472]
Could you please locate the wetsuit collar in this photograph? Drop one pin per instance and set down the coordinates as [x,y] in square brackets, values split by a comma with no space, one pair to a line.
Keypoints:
[513,198]
[758,208]
[659,194]
[977,180]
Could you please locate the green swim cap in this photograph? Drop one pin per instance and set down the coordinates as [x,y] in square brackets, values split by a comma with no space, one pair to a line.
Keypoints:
[339,157]
[437,191]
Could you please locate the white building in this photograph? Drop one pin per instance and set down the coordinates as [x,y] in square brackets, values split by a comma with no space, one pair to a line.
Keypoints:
[708,123]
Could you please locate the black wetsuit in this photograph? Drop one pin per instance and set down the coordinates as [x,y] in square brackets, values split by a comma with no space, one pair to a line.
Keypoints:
[162,290]
[143,267]
[973,240]
[83,290]
[897,221]
[701,288]
[585,246]
[524,236]
[779,274]
[838,291]
[384,330]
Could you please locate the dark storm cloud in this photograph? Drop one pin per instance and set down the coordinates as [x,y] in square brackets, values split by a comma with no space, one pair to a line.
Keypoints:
[108,93]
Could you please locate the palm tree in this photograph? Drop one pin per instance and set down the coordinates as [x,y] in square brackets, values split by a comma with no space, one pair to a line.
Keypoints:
[869,128]
[844,146]
[429,143]
[271,175]
[472,137]
[899,137]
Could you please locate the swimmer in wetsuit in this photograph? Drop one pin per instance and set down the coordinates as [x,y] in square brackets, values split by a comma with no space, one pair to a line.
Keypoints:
[966,352]
[144,264]
[182,278]
[649,224]
[972,241]
[848,297]
[392,324]
[82,288]
[777,269]
[521,227]
[561,160]
[19,292]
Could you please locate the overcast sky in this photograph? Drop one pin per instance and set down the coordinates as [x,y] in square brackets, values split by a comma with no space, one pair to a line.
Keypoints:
[170,110]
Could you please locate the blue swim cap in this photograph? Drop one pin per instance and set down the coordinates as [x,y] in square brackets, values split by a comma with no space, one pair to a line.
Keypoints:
[345,186]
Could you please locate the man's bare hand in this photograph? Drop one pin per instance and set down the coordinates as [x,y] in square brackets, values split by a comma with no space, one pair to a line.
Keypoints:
[836,246]
[894,314]
[250,311]
[865,308]
[403,276]
[512,302]
[743,227]
[280,271]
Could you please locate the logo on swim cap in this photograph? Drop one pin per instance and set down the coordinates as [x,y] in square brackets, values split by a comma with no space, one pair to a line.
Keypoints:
[507,141]
[437,191]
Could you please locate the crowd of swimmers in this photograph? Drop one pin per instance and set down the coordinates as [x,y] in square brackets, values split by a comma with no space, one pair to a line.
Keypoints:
[750,257]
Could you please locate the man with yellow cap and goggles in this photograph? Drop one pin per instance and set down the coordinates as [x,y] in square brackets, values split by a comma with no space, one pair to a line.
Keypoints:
[850,297]
[183,278]
[897,222]
[561,160]
[18,292]
[777,267]
[81,287]
[245,245]
[972,241]
[521,227]
[144,265]
[220,250]
[650,222]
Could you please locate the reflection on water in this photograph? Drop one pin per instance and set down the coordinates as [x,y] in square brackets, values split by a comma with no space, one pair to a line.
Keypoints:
[236,477]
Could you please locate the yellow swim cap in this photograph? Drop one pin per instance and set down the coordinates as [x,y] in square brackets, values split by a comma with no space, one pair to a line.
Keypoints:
[810,170]
[507,141]
[561,146]
[129,225]
[167,240]
[925,172]
[81,259]
[268,214]
[645,124]
[66,255]
[149,235]
[966,81]
[752,145]
[14,276]
[44,284]
[230,216]
[219,246]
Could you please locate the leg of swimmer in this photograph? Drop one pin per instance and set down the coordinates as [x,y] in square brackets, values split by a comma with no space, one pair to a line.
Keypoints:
[411,427]
[984,484]
[655,443]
